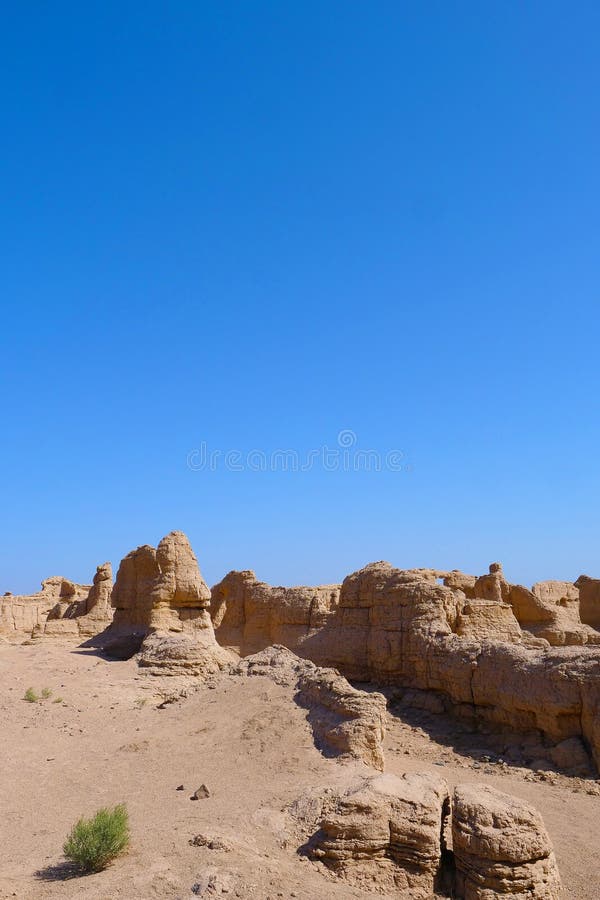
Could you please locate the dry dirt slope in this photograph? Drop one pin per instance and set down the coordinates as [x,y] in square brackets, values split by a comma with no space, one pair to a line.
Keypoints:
[108,742]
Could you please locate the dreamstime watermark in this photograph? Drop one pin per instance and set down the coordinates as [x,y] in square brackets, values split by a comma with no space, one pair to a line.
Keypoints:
[346,456]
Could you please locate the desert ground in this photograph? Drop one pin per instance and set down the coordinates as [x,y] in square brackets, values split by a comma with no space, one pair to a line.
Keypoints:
[110,733]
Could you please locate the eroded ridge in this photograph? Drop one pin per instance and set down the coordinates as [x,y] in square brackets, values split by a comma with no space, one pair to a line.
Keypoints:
[345,722]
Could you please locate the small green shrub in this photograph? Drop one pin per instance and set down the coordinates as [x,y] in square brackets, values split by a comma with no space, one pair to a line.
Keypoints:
[31,696]
[58,700]
[94,843]
[46,693]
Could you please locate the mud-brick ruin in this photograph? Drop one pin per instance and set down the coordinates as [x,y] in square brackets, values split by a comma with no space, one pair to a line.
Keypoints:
[526,660]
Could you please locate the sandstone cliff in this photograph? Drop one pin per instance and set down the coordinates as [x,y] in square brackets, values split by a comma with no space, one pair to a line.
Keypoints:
[405,628]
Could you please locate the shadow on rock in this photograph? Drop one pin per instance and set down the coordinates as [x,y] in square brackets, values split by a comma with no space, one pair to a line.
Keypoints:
[485,743]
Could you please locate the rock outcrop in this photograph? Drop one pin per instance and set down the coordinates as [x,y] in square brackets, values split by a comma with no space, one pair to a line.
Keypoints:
[589,600]
[386,835]
[161,605]
[250,615]
[188,653]
[501,847]
[550,610]
[405,628]
[98,610]
[563,593]
[87,616]
[346,722]
[160,589]
[488,620]
[460,581]
[23,614]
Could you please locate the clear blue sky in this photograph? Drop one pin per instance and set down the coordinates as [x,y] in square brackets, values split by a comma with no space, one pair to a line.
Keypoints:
[256,224]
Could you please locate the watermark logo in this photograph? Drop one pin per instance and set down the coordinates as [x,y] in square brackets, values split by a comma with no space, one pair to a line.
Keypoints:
[344,456]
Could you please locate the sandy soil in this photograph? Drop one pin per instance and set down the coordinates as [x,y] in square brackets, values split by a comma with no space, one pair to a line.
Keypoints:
[108,741]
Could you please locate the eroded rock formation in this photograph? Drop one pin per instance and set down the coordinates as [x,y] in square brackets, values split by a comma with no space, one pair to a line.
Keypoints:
[405,628]
[476,646]
[98,610]
[86,616]
[250,615]
[386,834]
[345,722]
[501,847]
[161,606]
[589,600]
[550,610]
[160,589]
[22,614]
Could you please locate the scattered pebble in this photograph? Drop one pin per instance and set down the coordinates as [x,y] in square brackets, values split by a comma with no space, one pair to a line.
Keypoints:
[201,793]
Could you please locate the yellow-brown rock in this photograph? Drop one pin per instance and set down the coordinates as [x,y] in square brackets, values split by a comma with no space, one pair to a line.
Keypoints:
[346,723]
[386,835]
[404,628]
[501,847]
[161,606]
[249,615]
[23,614]
[589,600]
[87,616]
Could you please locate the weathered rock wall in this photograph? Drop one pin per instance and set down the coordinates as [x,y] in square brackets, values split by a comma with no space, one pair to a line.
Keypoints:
[589,600]
[250,615]
[87,616]
[388,834]
[345,722]
[501,847]
[403,627]
[20,614]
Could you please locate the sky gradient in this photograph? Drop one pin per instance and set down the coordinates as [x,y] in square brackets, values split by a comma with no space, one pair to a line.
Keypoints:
[252,226]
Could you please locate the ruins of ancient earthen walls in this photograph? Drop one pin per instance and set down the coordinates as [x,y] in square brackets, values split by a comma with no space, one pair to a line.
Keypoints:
[161,605]
[405,628]
[20,614]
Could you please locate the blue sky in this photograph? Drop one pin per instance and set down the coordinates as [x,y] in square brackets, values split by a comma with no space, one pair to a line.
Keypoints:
[255,225]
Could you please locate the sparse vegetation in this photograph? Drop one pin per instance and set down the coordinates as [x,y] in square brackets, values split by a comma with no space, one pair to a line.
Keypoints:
[33,697]
[94,843]
[58,700]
